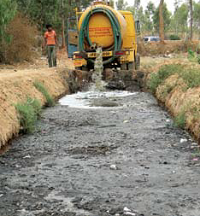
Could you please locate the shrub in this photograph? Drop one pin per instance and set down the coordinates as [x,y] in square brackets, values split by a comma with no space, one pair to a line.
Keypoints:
[174,37]
[198,59]
[40,87]
[22,41]
[180,120]
[165,71]
[154,82]
[8,10]
[191,77]
[28,114]
[36,104]
[191,54]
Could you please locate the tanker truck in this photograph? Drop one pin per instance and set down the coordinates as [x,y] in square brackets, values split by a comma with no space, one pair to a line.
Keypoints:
[100,25]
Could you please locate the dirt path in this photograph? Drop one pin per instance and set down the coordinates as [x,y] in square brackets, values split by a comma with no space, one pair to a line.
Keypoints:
[100,162]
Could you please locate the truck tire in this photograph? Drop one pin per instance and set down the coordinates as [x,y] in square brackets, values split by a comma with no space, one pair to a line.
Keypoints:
[124,66]
[131,65]
[83,68]
[137,62]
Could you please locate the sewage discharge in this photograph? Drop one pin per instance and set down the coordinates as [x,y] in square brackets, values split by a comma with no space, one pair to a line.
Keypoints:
[97,96]
[98,71]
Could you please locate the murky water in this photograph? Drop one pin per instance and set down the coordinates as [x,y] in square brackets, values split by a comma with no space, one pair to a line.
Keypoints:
[94,99]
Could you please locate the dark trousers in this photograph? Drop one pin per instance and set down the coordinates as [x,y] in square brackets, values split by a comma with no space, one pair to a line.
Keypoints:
[52,59]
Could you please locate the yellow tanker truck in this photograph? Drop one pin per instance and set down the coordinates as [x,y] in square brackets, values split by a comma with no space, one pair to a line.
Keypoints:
[114,31]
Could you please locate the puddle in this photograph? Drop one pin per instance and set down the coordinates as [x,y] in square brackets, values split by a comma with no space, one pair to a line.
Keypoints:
[94,99]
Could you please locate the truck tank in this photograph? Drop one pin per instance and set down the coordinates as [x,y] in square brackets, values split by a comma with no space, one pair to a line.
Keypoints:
[101,25]
[114,31]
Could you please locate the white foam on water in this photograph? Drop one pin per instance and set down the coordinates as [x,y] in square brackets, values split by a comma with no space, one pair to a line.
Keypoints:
[83,99]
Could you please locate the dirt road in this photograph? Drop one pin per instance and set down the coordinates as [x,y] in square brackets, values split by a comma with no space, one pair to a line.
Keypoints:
[125,160]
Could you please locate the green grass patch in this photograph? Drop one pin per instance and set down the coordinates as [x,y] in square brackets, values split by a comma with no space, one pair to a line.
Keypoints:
[191,77]
[158,78]
[180,120]
[29,112]
[40,87]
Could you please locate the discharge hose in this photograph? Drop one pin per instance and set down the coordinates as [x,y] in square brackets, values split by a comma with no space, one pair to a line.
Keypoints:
[84,31]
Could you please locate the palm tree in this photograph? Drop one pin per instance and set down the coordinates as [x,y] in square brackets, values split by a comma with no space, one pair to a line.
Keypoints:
[161,21]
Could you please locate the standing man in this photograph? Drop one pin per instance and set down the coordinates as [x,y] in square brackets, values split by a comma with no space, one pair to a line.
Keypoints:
[51,42]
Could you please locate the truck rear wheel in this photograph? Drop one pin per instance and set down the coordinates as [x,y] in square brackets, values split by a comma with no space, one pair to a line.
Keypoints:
[83,68]
[124,66]
[131,65]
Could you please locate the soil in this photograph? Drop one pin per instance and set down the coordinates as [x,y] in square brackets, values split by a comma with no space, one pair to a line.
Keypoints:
[126,160]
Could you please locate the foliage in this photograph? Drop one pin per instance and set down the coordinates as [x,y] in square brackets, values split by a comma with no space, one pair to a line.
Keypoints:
[174,37]
[196,15]
[28,114]
[7,12]
[36,104]
[179,19]
[23,35]
[166,17]
[164,72]
[40,87]
[198,58]
[50,11]
[191,54]
[121,4]
[180,120]
[191,77]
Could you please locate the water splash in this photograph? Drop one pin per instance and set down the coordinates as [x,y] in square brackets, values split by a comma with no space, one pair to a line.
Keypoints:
[84,100]
[98,70]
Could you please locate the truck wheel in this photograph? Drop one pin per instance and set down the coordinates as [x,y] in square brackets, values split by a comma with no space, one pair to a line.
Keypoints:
[78,68]
[84,68]
[131,65]
[137,63]
[124,66]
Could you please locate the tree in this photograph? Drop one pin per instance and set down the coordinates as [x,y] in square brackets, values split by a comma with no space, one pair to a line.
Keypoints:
[196,17]
[191,19]
[8,10]
[161,21]
[166,17]
[121,5]
[149,13]
[179,19]
[137,7]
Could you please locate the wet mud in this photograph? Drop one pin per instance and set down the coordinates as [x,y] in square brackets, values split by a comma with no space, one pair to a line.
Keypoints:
[126,160]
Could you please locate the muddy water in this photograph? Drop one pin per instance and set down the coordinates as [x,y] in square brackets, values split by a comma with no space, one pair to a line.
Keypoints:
[105,161]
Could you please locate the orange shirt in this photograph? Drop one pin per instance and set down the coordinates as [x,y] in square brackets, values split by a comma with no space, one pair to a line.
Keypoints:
[50,37]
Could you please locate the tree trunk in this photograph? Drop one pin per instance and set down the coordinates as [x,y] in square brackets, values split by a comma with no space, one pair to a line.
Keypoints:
[63,33]
[191,19]
[161,22]
[63,25]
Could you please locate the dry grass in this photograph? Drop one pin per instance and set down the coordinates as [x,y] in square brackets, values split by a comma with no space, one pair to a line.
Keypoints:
[23,40]
[15,87]
[156,48]
[180,92]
